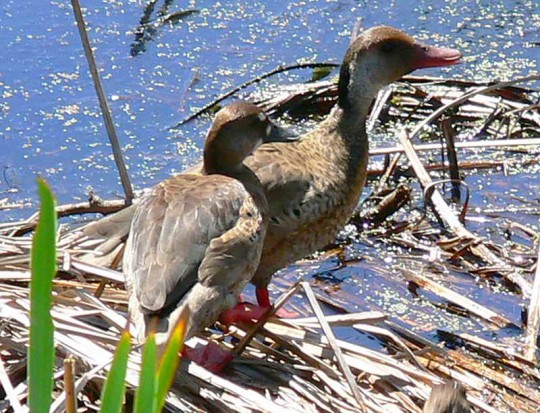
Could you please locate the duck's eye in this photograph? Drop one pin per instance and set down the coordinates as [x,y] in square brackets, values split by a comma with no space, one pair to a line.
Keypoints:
[388,47]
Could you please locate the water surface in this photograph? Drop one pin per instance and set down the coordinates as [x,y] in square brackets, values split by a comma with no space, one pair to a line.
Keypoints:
[50,123]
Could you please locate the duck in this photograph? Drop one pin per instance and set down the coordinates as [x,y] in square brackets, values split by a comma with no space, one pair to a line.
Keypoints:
[195,240]
[448,397]
[314,183]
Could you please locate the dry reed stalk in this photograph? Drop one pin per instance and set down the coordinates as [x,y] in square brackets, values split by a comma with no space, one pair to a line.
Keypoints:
[69,385]
[105,110]
[360,398]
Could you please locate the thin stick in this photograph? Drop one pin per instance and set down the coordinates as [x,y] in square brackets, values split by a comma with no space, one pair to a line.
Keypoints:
[451,82]
[533,319]
[447,215]
[467,96]
[9,390]
[69,385]
[333,343]
[238,88]
[389,171]
[449,138]
[109,125]
[380,101]
[92,206]
[59,403]
[483,144]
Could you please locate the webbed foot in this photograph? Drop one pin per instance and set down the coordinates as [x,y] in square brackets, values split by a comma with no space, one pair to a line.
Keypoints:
[212,357]
[243,312]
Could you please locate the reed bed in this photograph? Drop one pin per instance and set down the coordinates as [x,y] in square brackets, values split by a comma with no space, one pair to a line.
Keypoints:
[299,365]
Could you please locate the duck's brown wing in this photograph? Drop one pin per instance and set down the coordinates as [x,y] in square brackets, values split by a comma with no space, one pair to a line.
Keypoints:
[280,169]
[287,183]
[289,186]
[171,232]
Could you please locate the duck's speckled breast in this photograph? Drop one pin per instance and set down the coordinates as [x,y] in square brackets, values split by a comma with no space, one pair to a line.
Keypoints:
[311,197]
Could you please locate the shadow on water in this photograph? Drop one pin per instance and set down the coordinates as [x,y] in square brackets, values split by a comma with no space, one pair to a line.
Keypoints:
[149,27]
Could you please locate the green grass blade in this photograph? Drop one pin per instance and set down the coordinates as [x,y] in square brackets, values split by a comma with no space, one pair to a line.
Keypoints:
[170,360]
[43,266]
[145,394]
[112,396]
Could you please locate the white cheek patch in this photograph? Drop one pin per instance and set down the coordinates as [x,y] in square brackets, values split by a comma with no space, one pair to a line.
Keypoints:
[268,130]
[261,116]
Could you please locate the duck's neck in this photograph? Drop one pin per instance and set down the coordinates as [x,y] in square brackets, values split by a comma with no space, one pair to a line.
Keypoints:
[357,88]
[218,166]
[345,142]
[346,127]
[351,124]
[240,172]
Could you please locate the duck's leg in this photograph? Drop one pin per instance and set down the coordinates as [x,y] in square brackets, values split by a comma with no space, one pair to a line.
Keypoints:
[263,298]
[211,356]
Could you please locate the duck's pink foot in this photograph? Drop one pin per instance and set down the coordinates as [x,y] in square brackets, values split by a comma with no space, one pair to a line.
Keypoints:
[212,357]
[263,298]
[242,312]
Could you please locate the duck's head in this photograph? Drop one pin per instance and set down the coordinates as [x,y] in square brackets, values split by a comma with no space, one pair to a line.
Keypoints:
[237,130]
[382,55]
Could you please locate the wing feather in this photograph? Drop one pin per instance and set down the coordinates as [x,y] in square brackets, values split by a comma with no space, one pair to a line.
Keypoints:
[171,231]
[288,185]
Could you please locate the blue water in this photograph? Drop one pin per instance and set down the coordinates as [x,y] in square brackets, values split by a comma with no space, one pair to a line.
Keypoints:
[50,123]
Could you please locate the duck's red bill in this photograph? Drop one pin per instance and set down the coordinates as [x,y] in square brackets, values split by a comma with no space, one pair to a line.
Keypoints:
[430,56]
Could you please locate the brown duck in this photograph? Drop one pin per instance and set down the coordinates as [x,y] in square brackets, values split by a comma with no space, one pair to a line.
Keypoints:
[313,184]
[196,240]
